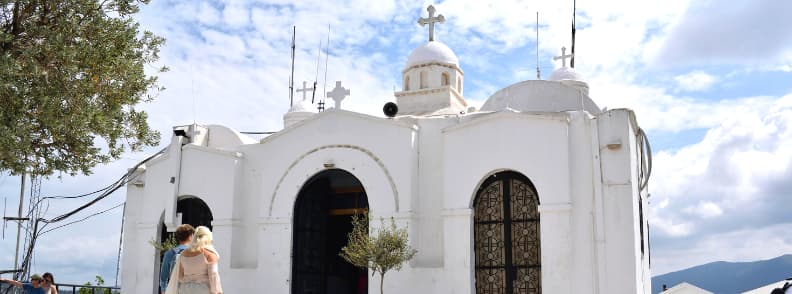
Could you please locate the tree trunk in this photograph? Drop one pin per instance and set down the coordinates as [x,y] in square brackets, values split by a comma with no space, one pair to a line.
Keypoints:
[382,281]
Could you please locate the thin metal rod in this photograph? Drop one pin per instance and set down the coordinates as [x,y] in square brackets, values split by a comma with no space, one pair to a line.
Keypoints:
[120,243]
[316,78]
[327,59]
[538,73]
[574,8]
[19,225]
[291,77]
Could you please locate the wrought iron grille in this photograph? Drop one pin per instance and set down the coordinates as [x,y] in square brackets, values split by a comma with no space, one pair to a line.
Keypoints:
[308,257]
[506,236]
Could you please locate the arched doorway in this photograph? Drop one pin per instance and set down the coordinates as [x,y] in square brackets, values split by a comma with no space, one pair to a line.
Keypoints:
[322,220]
[506,235]
[194,211]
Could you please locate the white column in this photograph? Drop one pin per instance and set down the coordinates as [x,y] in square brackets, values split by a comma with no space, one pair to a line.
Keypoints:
[275,250]
[458,262]
[556,240]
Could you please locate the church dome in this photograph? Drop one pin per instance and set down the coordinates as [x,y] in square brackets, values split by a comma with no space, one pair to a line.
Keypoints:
[432,51]
[565,73]
[302,106]
[541,96]
[300,111]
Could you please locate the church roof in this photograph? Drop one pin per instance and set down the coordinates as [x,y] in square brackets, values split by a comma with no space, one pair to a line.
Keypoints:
[432,51]
[540,96]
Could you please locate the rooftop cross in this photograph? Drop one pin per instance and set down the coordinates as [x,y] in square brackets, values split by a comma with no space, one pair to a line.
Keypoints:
[338,94]
[563,56]
[304,89]
[431,20]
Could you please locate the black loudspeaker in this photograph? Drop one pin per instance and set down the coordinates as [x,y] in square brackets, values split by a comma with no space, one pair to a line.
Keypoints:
[390,109]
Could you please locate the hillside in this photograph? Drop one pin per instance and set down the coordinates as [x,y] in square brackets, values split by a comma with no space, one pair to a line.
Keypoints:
[729,277]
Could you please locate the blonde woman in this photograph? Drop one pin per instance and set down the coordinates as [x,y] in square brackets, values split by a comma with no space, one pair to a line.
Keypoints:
[195,271]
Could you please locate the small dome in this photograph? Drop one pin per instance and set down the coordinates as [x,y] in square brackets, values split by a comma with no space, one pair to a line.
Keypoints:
[433,51]
[565,73]
[541,96]
[302,106]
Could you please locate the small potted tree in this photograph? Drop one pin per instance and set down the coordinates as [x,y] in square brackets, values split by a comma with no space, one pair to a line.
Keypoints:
[384,249]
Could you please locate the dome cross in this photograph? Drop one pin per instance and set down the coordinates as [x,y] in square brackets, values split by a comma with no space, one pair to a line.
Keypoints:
[431,20]
[563,56]
[304,89]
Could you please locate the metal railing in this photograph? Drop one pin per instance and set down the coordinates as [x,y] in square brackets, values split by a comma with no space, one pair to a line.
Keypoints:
[75,289]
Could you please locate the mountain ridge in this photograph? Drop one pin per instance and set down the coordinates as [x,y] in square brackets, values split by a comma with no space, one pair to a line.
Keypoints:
[724,277]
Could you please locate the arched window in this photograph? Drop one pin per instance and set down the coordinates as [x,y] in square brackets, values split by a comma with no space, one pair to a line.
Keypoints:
[506,235]
[459,85]
[424,82]
[407,83]
[444,79]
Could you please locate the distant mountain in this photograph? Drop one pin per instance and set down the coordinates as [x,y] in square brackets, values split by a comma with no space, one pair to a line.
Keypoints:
[729,277]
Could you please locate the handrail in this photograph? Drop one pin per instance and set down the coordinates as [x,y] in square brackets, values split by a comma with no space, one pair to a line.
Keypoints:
[93,288]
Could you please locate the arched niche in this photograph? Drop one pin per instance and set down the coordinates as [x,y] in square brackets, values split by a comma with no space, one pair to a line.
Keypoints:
[322,220]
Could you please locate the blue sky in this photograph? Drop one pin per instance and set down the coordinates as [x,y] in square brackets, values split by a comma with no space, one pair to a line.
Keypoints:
[710,84]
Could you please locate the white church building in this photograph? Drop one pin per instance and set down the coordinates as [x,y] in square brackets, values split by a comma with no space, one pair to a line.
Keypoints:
[539,190]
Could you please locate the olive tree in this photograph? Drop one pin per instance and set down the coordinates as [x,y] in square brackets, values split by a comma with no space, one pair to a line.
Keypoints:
[71,74]
[385,249]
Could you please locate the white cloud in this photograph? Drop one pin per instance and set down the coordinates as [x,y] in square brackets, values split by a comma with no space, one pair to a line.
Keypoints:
[743,32]
[695,81]
[733,179]
[705,209]
[236,15]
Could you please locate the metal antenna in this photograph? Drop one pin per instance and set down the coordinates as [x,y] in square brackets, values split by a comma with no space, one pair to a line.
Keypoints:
[5,206]
[327,59]
[318,57]
[574,8]
[538,73]
[291,77]
[192,89]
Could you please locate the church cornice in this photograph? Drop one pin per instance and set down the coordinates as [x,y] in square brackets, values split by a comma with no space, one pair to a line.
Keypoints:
[342,113]
[480,118]
[441,89]
[442,64]
[227,153]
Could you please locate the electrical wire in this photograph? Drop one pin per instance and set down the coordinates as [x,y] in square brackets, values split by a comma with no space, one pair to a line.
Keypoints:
[107,191]
[80,220]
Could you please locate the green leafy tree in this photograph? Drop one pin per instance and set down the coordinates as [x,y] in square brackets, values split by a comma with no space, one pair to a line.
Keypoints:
[385,249]
[71,73]
[99,282]
[166,244]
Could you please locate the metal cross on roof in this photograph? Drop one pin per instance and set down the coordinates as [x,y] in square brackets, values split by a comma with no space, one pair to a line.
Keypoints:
[563,56]
[431,20]
[338,94]
[304,89]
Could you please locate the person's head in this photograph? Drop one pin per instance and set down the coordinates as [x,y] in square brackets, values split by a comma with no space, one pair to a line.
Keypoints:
[184,233]
[48,279]
[202,238]
[35,280]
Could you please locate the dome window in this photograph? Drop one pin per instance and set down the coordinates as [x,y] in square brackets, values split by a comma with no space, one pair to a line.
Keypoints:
[407,83]
[444,79]
[424,80]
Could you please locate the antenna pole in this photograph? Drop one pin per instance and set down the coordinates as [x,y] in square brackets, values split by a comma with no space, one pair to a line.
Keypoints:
[318,57]
[291,77]
[19,225]
[574,8]
[327,59]
[538,73]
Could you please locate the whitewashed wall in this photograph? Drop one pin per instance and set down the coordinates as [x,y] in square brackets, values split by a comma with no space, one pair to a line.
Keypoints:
[422,171]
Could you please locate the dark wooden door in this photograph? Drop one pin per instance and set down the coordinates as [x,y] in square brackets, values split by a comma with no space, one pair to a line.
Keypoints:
[309,256]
